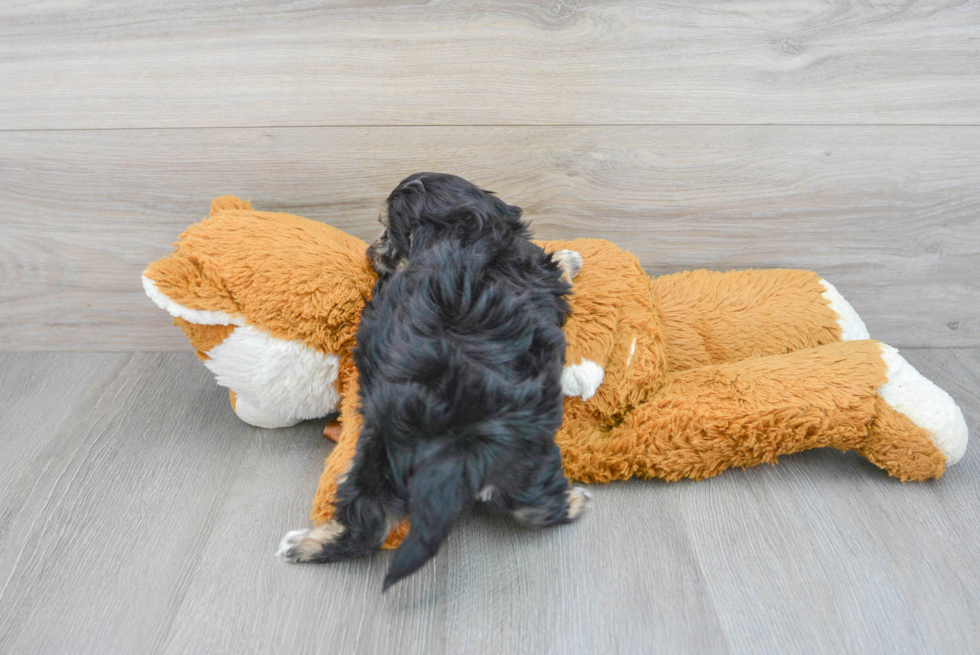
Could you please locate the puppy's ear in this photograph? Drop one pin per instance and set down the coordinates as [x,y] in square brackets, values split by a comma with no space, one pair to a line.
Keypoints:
[405,206]
[512,212]
[501,212]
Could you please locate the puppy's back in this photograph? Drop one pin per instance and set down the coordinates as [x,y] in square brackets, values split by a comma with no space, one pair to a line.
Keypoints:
[472,331]
[460,357]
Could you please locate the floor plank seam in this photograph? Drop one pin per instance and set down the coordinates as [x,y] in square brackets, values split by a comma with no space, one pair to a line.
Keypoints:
[344,126]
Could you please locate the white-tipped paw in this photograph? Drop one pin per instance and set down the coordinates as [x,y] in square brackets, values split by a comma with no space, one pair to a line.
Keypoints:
[925,404]
[305,545]
[570,262]
[578,500]
[289,541]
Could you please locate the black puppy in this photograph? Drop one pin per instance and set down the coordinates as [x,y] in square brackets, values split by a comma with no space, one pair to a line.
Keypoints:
[460,357]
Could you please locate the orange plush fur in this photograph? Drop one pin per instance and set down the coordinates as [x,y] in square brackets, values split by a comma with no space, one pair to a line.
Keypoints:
[702,371]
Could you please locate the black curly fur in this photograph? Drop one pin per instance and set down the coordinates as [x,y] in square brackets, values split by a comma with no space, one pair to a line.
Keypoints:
[460,356]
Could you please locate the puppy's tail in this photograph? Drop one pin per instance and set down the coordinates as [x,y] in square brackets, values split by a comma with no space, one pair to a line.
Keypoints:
[438,493]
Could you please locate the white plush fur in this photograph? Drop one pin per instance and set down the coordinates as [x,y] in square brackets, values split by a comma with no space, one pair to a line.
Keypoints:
[198,316]
[261,418]
[582,379]
[928,406]
[851,326]
[278,383]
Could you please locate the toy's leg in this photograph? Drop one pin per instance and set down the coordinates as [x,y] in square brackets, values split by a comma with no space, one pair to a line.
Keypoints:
[712,318]
[852,328]
[708,419]
[339,461]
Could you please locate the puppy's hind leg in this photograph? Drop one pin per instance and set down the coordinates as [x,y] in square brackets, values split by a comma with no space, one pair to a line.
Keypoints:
[549,499]
[359,527]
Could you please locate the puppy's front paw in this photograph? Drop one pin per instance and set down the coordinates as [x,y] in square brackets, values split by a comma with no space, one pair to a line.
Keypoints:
[578,500]
[306,545]
[570,262]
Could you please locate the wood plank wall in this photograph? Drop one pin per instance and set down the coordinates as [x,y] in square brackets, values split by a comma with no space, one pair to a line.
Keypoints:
[841,137]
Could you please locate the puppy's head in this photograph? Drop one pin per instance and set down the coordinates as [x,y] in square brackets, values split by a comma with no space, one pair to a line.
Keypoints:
[425,206]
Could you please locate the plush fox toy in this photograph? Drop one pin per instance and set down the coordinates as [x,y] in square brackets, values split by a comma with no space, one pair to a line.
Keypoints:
[679,376]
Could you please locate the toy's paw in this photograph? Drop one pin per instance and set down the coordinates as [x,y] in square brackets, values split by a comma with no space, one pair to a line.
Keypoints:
[570,262]
[578,500]
[928,406]
[306,545]
[581,380]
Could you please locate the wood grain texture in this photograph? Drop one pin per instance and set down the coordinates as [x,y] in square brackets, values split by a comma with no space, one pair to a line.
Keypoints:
[888,214]
[822,553]
[111,496]
[67,64]
[245,600]
[142,516]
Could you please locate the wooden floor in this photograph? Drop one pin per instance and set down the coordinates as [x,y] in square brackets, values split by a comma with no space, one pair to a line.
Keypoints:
[140,516]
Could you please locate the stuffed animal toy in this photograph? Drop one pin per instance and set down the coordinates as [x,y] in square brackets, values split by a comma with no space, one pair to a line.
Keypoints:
[679,376]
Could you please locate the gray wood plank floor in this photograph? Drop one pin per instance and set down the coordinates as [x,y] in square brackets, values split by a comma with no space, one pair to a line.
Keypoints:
[140,516]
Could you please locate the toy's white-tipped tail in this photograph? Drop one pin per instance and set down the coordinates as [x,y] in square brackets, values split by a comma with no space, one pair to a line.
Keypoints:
[925,404]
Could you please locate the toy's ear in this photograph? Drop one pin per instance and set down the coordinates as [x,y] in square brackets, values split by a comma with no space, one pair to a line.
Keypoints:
[296,279]
[222,203]
[191,288]
[190,284]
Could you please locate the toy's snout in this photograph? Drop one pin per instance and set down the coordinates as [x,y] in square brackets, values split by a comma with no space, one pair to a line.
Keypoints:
[272,382]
